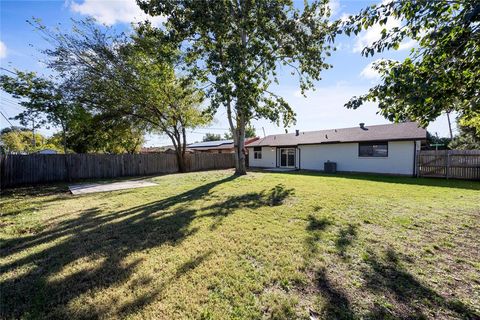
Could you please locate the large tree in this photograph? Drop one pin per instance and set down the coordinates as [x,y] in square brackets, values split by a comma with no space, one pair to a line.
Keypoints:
[43,99]
[23,140]
[236,47]
[211,137]
[104,133]
[467,137]
[442,72]
[47,103]
[128,77]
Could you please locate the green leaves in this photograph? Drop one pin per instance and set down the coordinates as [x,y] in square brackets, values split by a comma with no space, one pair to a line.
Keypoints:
[443,71]
[236,47]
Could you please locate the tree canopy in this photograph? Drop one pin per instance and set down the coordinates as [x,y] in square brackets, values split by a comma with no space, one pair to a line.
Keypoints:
[467,138]
[130,78]
[48,103]
[211,137]
[25,141]
[249,133]
[43,99]
[440,75]
[236,47]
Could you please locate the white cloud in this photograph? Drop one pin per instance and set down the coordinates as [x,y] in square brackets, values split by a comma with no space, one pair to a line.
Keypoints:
[334,6]
[369,71]
[111,12]
[3,50]
[321,109]
[324,109]
[345,16]
[374,33]
[407,45]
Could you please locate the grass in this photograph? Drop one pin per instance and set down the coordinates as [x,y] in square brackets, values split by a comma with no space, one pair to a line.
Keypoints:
[266,245]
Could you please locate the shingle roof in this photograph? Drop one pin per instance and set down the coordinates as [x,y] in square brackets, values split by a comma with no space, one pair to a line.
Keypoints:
[398,131]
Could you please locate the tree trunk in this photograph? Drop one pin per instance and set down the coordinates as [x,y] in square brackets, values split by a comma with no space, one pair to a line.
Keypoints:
[179,149]
[241,107]
[182,166]
[238,133]
[240,165]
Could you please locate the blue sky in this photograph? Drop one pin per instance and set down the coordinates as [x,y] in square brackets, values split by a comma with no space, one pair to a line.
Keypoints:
[322,109]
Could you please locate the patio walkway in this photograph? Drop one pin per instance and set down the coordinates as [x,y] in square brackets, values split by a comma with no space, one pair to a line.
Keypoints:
[280,169]
[103,187]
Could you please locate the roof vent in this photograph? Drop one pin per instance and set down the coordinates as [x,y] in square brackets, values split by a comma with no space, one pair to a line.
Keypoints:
[297,132]
[326,136]
[362,125]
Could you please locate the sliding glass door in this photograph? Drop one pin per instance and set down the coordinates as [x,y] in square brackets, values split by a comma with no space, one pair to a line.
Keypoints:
[287,157]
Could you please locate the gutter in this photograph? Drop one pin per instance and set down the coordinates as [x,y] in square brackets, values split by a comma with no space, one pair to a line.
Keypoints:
[331,142]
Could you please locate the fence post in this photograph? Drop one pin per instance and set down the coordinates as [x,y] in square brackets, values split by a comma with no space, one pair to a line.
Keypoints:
[448,163]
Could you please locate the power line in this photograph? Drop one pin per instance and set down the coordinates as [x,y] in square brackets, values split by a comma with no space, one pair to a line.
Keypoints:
[12,72]
[9,104]
[222,129]
[6,119]
[6,114]
[9,100]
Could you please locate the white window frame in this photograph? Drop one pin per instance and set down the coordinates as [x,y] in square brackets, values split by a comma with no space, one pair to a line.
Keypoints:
[257,154]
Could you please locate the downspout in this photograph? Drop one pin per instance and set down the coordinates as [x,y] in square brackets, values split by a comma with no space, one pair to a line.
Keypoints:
[414,159]
[276,157]
[299,158]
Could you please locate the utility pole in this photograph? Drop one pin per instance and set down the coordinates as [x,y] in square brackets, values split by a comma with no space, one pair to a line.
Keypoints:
[33,133]
[449,125]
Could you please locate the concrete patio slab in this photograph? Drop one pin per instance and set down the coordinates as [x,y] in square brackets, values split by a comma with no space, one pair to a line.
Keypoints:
[280,169]
[84,188]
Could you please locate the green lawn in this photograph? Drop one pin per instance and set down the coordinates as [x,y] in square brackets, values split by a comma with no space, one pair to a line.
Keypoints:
[266,245]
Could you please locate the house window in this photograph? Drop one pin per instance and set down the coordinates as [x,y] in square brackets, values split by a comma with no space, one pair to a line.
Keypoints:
[373,149]
[257,152]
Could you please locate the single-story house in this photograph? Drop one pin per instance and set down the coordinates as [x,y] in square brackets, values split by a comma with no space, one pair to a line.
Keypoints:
[388,149]
[220,146]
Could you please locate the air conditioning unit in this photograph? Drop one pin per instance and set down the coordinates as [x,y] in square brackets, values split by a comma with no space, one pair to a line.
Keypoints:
[330,167]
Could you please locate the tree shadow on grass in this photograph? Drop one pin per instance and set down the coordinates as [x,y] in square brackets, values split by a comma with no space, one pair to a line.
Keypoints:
[345,239]
[252,200]
[154,292]
[336,302]
[38,286]
[37,195]
[395,292]
[91,218]
[108,238]
[315,228]
[409,298]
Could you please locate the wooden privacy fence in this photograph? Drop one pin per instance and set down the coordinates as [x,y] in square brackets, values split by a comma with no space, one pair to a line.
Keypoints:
[459,164]
[16,170]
